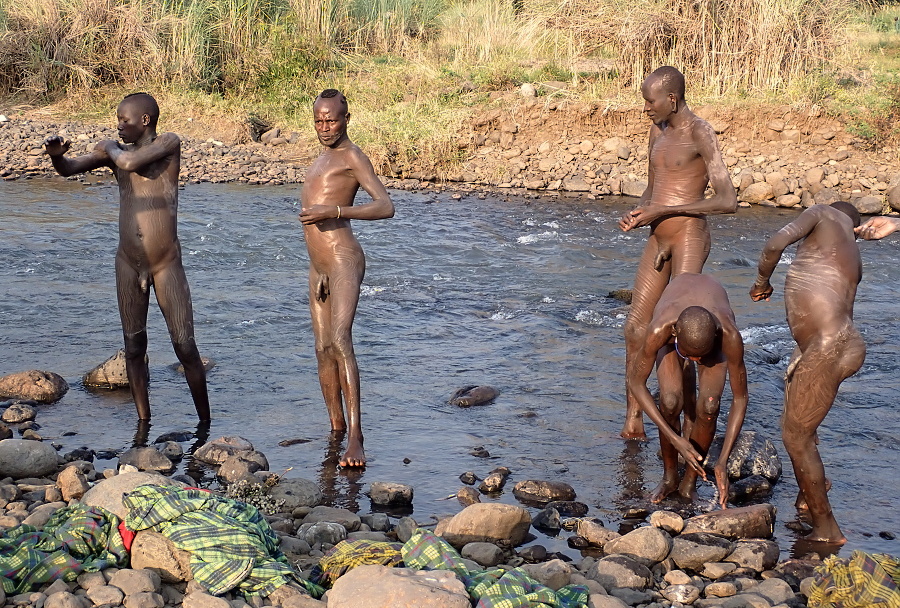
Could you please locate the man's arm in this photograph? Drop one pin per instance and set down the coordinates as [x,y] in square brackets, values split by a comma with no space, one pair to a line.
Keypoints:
[56,147]
[380,208]
[136,158]
[641,366]
[775,246]
[877,227]
[733,349]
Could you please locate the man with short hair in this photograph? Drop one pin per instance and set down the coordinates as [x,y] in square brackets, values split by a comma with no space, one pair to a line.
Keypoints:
[146,167]
[819,292]
[684,158]
[692,325]
[336,260]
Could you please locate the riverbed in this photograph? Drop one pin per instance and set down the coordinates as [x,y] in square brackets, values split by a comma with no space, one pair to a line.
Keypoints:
[510,291]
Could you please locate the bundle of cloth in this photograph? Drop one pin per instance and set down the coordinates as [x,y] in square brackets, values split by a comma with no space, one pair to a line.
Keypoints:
[861,581]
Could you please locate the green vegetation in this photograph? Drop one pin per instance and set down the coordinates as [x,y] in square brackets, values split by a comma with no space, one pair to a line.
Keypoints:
[414,69]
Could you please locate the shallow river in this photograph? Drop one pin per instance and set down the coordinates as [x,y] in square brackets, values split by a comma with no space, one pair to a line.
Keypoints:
[511,293]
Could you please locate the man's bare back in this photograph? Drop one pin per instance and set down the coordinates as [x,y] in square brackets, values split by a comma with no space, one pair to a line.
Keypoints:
[684,158]
[336,261]
[819,292]
[146,168]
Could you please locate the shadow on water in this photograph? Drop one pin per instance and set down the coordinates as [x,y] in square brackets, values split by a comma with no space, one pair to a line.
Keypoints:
[507,293]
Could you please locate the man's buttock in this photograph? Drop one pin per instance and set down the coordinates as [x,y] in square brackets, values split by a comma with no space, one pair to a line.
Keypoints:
[675,228]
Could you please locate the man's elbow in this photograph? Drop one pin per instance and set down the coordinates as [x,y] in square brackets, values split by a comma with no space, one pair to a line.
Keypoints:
[388,211]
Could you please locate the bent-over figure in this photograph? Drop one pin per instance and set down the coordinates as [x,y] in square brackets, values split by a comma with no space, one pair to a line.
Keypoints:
[684,158]
[336,260]
[819,291]
[692,325]
[146,168]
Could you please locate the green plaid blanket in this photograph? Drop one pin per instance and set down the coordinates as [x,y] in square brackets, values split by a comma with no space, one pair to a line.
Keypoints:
[231,544]
[861,581]
[494,588]
[76,539]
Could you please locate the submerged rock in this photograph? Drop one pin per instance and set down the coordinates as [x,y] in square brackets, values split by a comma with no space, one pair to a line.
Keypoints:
[473,395]
[542,491]
[109,374]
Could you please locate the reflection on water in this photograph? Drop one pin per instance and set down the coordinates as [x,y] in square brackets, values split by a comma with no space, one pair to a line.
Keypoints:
[507,293]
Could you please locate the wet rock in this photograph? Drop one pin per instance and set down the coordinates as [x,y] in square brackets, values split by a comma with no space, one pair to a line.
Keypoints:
[324,532]
[495,481]
[756,555]
[547,519]
[490,522]
[218,450]
[473,395]
[109,492]
[468,496]
[171,450]
[487,555]
[691,551]
[542,491]
[72,483]
[378,522]
[469,478]
[18,412]
[673,523]
[384,587]
[110,374]
[344,517]
[620,571]
[775,590]
[33,385]
[754,521]
[594,533]
[405,528]
[554,573]
[389,493]
[748,489]
[648,545]
[207,363]
[753,454]
[623,295]
[568,508]
[147,459]
[296,493]
[154,552]
[533,553]
[22,458]
[242,465]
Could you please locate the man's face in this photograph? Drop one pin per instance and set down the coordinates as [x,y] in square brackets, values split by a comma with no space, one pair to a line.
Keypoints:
[132,123]
[330,119]
[658,104]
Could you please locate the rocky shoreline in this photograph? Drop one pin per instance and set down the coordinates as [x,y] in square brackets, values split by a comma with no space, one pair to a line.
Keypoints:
[658,559]
[778,156]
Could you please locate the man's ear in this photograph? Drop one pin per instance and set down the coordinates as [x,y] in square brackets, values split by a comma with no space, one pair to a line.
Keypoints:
[145,119]
[348,116]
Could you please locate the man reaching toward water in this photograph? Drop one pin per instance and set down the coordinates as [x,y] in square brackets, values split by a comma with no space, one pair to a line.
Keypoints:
[146,167]
[819,291]
[692,325]
[684,158]
[336,260]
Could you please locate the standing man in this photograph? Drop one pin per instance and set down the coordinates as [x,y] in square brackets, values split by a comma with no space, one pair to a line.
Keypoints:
[692,325]
[336,260]
[684,158]
[819,292]
[149,254]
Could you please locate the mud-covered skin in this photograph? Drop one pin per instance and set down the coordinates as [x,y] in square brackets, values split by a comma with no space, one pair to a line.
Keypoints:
[819,293]
[337,263]
[678,382]
[684,158]
[146,168]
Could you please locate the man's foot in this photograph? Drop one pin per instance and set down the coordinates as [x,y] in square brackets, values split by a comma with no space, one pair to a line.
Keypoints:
[688,493]
[665,488]
[633,429]
[831,537]
[355,456]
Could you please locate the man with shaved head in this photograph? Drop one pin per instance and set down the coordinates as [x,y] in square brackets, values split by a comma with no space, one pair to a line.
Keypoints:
[146,166]
[692,327]
[819,292]
[336,260]
[684,158]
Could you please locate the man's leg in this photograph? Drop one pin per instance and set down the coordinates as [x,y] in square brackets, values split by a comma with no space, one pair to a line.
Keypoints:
[669,374]
[810,388]
[174,297]
[649,283]
[134,298]
[712,382]
[329,380]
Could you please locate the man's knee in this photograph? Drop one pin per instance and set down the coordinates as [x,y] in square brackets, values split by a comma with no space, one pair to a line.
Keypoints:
[796,435]
[634,331]
[136,345]
[342,346]
[186,350]
[670,403]
[708,406]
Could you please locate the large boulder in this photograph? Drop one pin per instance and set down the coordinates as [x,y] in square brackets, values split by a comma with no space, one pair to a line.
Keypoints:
[110,492]
[21,458]
[693,550]
[109,374]
[649,545]
[488,522]
[541,491]
[616,571]
[752,454]
[754,521]
[33,385]
[384,587]
[296,493]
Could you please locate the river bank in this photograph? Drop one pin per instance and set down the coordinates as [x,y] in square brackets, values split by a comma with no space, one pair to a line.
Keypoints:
[784,156]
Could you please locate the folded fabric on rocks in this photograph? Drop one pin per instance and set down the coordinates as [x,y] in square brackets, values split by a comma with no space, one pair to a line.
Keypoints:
[349,554]
[493,588]
[862,581]
[230,542]
[75,539]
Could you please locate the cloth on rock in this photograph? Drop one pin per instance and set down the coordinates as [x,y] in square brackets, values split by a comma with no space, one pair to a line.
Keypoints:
[75,539]
[230,542]
[349,554]
[862,581]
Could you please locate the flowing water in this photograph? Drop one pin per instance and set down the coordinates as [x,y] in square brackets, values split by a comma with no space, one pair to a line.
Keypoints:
[508,292]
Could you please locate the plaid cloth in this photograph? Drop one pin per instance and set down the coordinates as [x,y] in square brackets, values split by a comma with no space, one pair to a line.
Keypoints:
[495,588]
[231,544]
[76,539]
[863,580]
[349,554]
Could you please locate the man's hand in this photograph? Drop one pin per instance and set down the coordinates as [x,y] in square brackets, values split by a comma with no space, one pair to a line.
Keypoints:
[722,484]
[56,145]
[761,290]
[877,227]
[692,457]
[319,213]
[642,216]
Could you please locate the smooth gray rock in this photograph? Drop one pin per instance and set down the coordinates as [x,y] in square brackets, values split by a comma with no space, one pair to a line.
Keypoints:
[649,545]
[109,492]
[388,493]
[23,458]
[344,517]
[620,571]
[324,532]
[693,550]
[296,493]
[33,385]
[147,459]
[487,555]
[110,374]
[384,587]
[543,491]
[218,450]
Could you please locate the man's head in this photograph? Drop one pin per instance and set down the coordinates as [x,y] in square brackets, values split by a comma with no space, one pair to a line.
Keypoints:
[849,209]
[330,116]
[137,113]
[663,93]
[695,332]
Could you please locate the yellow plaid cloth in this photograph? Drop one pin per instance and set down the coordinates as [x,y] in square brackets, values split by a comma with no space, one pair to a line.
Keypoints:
[862,581]
[349,554]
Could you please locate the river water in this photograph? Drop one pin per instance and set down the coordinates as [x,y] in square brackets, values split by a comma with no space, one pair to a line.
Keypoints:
[510,292]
